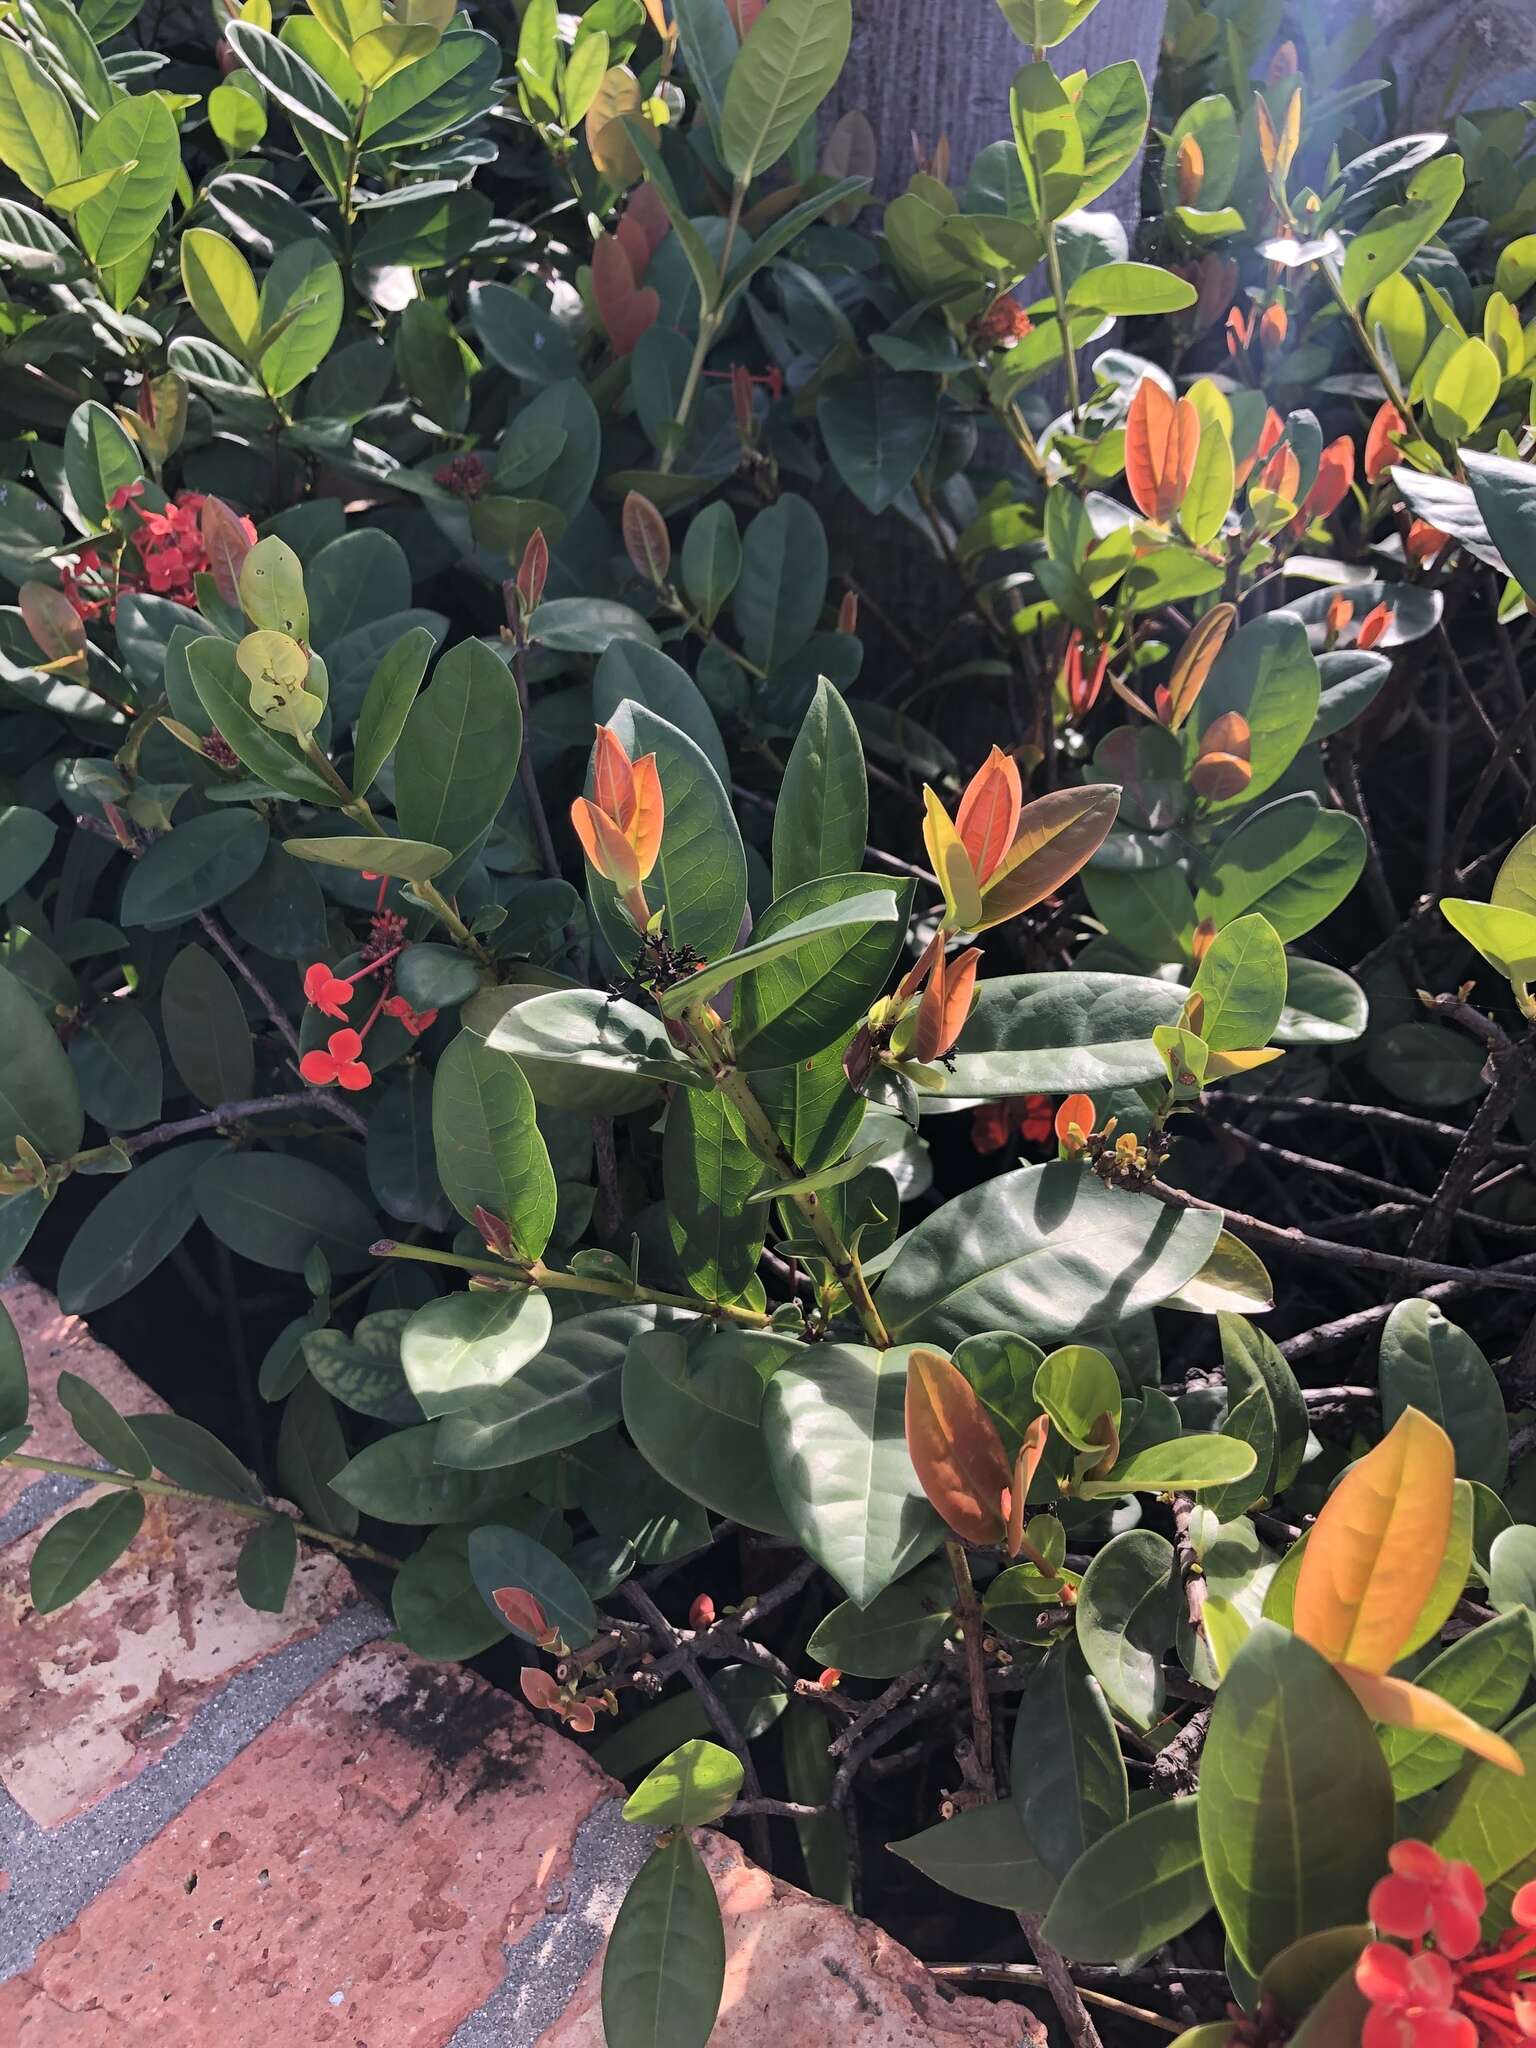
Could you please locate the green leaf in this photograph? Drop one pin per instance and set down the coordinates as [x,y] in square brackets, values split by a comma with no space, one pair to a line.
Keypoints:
[647,676]
[712,552]
[1512,1568]
[301,305]
[1112,113]
[1392,237]
[490,1154]
[700,874]
[1137,1887]
[220,284]
[788,64]
[136,1225]
[437,1605]
[99,459]
[665,1964]
[841,913]
[1486,1816]
[693,1786]
[1505,937]
[1296,1812]
[1058,1034]
[1187,1464]
[1050,143]
[503,1557]
[903,1626]
[81,1547]
[1075,1386]
[273,1210]
[98,1424]
[1069,1782]
[38,137]
[570,1391]
[1042,1251]
[225,695]
[458,749]
[271,584]
[451,85]
[792,1007]
[311,1452]
[1242,981]
[398,1479]
[877,424]
[14,1397]
[296,86]
[696,1417]
[1323,1006]
[821,819]
[783,582]
[835,1429]
[1484,1674]
[39,1098]
[1127,1607]
[462,1347]
[1130,290]
[1505,490]
[363,1371]
[117,1067]
[186,870]
[1429,1364]
[1045,23]
[26,839]
[205,1029]
[521,336]
[139,131]
[583,1051]
[710,43]
[1254,1364]
[264,1570]
[1292,862]
[1268,674]
[192,1456]
[709,1172]
[982,1854]
[406,859]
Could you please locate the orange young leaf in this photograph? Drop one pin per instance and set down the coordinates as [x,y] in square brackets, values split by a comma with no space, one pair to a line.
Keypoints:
[1075,1115]
[1190,170]
[1401,1705]
[956,1452]
[521,1611]
[1025,1466]
[1380,449]
[989,811]
[1161,440]
[1057,835]
[1197,657]
[952,864]
[1375,1549]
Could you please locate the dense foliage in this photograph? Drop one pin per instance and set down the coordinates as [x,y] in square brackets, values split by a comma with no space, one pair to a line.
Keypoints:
[415,395]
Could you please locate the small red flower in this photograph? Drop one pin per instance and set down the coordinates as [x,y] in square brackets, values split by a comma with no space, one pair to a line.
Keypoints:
[466,476]
[1004,322]
[702,1612]
[1427,1895]
[1411,2001]
[339,1063]
[327,991]
[415,1021]
[830,1679]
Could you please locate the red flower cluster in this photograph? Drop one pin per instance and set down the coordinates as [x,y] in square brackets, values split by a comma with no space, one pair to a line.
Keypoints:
[1461,1993]
[331,993]
[1030,1117]
[1004,322]
[466,476]
[164,555]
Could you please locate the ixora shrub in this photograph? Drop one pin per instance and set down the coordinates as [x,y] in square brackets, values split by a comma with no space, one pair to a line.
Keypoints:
[396,408]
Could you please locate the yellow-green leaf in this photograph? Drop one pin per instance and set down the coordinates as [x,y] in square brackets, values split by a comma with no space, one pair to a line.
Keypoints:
[222,288]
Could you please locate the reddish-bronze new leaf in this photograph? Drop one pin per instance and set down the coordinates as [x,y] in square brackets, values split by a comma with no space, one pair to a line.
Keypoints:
[956,1452]
[1031,1451]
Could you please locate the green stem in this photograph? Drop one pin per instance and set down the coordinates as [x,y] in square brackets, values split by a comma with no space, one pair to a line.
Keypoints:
[1395,394]
[555,1279]
[1058,293]
[711,318]
[737,1090]
[94,1476]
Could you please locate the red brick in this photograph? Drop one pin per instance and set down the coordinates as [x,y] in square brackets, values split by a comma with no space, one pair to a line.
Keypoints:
[358,1869]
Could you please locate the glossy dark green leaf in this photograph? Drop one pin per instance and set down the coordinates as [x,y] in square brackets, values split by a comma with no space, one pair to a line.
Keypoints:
[264,1569]
[489,1151]
[787,66]
[1292,862]
[783,583]
[205,1028]
[710,1170]
[192,1456]
[81,1546]
[822,816]
[502,1557]
[1268,674]
[877,424]
[1043,1251]
[1296,1811]
[1505,490]
[138,1222]
[311,1451]
[696,1416]
[985,1855]
[834,1421]
[99,1424]
[1134,1889]
[644,675]
[14,1397]
[1062,1033]
[273,1209]
[449,86]
[1428,1363]
[189,869]
[39,1099]
[26,839]
[1069,1782]
[1127,1607]
[437,1605]
[398,1479]
[900,1627]
[458,749]
[1486,1816]
[402,1162]
[664,1968]
[584,1051]
[1254,1362]
[1484,1674]
[117,1067]
[800,1003]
